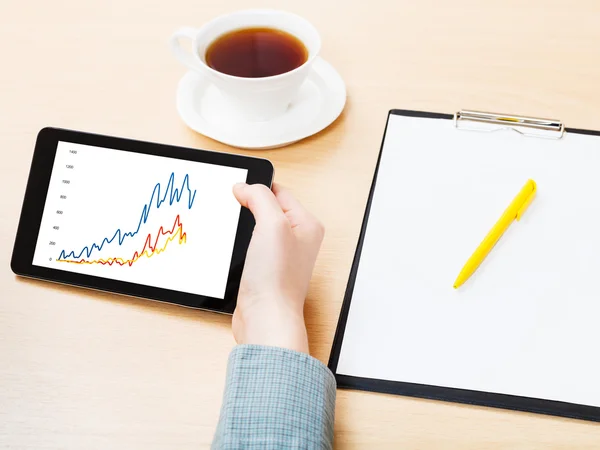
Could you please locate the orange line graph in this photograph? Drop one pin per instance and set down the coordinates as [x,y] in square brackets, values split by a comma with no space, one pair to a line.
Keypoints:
[148,250]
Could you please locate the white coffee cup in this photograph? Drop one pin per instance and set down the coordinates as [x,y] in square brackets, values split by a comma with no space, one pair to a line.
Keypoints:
[255,99]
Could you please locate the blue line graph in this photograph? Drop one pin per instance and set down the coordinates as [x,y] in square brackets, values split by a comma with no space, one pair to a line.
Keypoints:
[171,194]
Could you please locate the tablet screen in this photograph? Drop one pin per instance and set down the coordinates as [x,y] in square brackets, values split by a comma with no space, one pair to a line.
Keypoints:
[139,218]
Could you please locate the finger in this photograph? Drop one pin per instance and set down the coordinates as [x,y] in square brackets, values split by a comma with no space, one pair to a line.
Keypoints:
[259,199]
[286,200]
[298,216]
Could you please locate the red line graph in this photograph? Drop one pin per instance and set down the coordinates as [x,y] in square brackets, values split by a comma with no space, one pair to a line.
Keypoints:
[148,250]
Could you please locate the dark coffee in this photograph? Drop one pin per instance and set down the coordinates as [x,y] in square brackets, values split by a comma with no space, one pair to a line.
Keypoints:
[256,53]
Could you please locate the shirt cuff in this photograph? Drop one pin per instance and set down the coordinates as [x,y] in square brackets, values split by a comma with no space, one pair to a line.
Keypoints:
[276,398]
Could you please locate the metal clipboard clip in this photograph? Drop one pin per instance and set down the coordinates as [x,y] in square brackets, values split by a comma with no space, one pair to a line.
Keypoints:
[527,126]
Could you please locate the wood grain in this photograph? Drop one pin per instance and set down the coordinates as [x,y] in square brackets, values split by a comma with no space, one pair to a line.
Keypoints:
[82,369]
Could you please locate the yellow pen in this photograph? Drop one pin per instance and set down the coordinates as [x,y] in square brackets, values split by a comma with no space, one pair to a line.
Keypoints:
[514,211]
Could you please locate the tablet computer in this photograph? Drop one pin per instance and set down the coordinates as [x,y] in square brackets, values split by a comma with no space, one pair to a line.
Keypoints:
[136,218]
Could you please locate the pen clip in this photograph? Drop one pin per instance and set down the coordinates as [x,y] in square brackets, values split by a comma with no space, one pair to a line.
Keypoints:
[530,185]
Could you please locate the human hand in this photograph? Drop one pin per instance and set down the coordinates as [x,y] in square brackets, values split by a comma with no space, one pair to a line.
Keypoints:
[278,268]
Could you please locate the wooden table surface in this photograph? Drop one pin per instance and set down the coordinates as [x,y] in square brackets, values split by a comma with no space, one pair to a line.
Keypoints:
[81,369]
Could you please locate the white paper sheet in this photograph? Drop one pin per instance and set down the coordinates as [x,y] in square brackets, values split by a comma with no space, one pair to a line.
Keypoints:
[528,321]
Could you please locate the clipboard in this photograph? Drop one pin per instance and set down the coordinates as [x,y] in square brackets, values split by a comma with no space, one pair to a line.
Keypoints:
[535,132]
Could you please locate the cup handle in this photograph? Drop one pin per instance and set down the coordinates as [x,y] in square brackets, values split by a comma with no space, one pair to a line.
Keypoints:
[182,55]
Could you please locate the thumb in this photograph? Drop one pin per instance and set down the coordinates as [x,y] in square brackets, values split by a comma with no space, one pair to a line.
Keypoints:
[259,199]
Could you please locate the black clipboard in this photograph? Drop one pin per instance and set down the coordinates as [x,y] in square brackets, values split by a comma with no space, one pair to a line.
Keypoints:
[480,398]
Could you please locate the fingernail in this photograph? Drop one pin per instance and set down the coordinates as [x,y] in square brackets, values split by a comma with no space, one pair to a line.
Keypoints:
[239,185]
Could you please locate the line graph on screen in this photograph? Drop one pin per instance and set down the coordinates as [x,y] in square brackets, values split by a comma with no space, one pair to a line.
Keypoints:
[139,218]
[115,247]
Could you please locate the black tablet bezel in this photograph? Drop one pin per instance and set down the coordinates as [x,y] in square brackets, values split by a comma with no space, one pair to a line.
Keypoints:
[514,402]
[259,171]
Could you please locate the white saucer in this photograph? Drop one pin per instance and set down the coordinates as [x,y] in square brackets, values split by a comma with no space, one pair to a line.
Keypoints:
[320,101]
